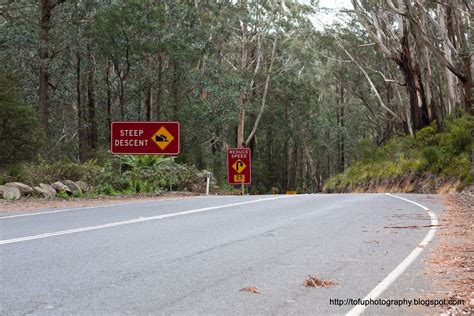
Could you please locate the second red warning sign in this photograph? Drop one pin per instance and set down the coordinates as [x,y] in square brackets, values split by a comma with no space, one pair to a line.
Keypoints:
[239,166]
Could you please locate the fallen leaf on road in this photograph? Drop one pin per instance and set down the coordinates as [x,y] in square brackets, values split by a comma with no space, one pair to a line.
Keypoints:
[372,242]
[250,290]
[315,282]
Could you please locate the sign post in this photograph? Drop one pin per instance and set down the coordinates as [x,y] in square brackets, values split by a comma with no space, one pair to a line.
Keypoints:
[171,175]
[239,167]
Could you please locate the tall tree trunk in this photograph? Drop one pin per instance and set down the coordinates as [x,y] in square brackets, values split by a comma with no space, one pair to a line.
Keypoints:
[217,151]
[45,9]
[265,93]
[405,110]
[43,93]
[467,84]
[176,84]
[294,166]
[342,154]
[340,121]
[81,139]
[108,74]
[458,37]
[423,59]
[122,98]
[203,71]
[91,100]
[411,72]
[159,86]
[122,72]
[328,155]
[403,57]
[147,89]
[312,167]
[243,66]
[455,38]
[448,75]
[285,173]
[465,65]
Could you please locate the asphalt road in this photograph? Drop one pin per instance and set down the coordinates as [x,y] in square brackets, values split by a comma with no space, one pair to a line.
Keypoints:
[193,255]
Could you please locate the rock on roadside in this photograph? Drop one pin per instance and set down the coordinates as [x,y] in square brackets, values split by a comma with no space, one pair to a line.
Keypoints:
[83,186]
[24,189]
[9,193]
[45,190]
[59,186]
[73,187]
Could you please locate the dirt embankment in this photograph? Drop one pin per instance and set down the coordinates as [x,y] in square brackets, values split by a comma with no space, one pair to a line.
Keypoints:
[406,184]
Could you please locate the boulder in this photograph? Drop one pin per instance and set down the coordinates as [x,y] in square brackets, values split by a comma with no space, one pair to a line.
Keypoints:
[83,186]
[45,190]
[9,193]
[59,186]
[73,187]
[24,189]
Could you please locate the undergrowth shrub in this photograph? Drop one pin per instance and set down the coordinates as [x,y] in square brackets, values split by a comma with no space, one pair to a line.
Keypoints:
[111,175]
[446,155]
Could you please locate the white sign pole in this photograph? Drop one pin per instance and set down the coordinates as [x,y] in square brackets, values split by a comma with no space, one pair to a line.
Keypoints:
[208,180]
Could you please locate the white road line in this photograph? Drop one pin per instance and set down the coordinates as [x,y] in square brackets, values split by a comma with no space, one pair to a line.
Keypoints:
[95,206]
[137,220]
[389,279]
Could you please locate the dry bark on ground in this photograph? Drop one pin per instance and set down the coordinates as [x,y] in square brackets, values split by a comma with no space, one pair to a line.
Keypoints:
[452,262]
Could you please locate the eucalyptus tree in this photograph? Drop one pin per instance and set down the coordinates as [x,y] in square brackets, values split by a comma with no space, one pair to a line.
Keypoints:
[413,35]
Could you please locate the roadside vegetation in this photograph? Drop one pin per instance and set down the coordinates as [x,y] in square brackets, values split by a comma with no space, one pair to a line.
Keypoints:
[428,162]
[109,175]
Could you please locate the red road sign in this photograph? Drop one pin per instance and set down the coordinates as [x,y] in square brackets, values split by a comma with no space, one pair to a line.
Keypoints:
[239,167]
[145,138]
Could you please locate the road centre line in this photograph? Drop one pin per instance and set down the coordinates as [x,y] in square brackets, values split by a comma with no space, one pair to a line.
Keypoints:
[392,276]
[137,220]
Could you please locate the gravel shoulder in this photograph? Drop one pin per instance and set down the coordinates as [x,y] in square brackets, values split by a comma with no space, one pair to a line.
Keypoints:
[33,204]
[451,265]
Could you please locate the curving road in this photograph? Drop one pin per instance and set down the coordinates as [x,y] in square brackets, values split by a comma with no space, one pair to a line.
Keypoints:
[193,255]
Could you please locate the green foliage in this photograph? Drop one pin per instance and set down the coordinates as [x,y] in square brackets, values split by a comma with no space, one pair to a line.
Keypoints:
[130,25]
[105,189]
[62,195]
[112,175]
[430,154]
[18,141]
[445,155]
[426,136]
[43,171]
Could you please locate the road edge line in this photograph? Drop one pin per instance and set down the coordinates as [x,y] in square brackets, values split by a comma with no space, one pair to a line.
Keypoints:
[136,220]
[402,266]
[64,210]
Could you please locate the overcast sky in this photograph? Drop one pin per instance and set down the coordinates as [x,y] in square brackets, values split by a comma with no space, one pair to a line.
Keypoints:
[332,7]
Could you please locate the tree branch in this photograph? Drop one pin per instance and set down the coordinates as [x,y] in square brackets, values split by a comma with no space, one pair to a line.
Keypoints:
[264,97]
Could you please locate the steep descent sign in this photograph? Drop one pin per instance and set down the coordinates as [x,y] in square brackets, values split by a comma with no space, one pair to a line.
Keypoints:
[239,166]
[145,138]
